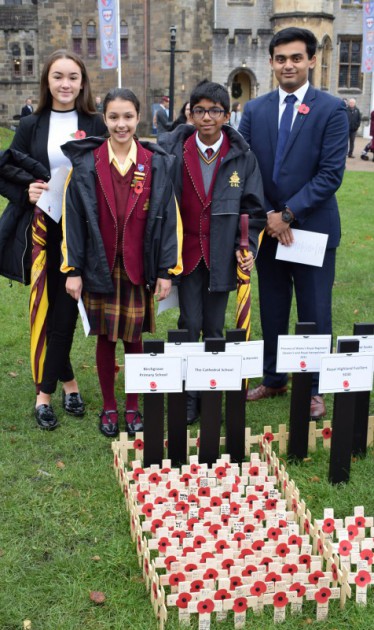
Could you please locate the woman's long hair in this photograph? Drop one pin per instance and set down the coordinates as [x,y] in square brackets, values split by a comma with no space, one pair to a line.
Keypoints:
[84,102]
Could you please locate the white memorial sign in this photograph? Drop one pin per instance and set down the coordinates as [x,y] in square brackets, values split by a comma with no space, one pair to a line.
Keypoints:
[146,374]
[183,350]
[346,373]
[214,371]
[252,353]
[302,353]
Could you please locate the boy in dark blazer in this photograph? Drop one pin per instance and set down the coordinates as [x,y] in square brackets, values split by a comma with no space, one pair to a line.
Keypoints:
[302,168]
[216,179]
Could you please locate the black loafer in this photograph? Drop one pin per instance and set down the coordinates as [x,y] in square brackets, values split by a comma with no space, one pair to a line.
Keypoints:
[73,403]
[109,423]
[45,417]
[135,424]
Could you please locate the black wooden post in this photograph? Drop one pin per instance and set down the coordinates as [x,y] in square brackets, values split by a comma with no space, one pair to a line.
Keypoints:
[177,413]
[235,410]
[300,403]
[153,415]
[211,414]
[360,430]
[342,427]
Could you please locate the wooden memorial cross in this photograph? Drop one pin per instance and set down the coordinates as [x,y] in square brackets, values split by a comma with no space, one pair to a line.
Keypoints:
[177,413]
[153,414]
[362,403]
[235,410]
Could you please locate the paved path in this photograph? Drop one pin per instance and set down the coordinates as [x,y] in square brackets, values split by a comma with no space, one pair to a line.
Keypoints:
[356,164]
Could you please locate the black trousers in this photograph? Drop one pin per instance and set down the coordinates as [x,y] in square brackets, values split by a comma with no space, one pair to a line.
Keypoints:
[61,317]
[351,144]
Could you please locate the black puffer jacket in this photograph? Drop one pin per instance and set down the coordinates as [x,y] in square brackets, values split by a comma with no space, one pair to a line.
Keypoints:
[17,171]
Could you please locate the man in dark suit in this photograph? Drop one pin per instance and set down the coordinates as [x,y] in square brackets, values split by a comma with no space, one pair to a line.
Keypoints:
[302,166]
[162,116]
[27,109]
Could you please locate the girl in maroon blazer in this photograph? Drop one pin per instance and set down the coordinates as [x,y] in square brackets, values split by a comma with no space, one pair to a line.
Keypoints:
[120,240]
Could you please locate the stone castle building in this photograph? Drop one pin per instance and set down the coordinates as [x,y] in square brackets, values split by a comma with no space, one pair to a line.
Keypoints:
[223,40]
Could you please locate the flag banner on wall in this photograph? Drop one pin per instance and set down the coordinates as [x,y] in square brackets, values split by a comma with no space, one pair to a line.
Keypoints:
[368,37]
[108,33]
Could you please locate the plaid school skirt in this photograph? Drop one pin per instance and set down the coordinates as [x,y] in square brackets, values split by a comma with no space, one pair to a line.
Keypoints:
[123,314]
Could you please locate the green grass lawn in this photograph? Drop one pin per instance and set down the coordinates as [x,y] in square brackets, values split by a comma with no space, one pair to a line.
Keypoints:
[63,529]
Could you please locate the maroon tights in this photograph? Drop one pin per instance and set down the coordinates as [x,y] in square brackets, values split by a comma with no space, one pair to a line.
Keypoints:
[106,363]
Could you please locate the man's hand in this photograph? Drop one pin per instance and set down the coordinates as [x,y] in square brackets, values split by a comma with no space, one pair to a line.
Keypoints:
[277,228]
[74,286]
[245,262]
[162,288]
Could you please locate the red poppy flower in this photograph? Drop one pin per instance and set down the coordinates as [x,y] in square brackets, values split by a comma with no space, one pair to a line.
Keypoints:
[360,521]
[79,134]
[282,550]
[136,472]
[220,545]
[294,505]
[268,437]
[227,563]
[220,472]
[206,555]
[206,606]
[245,552]
[194,468]
[334,571]
[235,581]
[328,525]
[248,570]
[363,578]
[193,498]
[185,478]
[352,531]
[154,478]
[147,509]
[222,594]
[259,487]
[199,541]
[235,508]
[156,523]
[169,560]
[215,501]
[204,492]
[266,561]
[257,545]
[271,504]
[203,510]
[165,471]
[307,526]
[182,506]
[183,599]
[299,588]
[323,595]
[289,568]
[198,442]
[265,494]
[273,577]
[173,494]
[304,109]
[248,528]
[240,605]
[210,574]
[320,546]
[238,537]
[138,444]
[175,578]
[367,554]
[345,547]
[314,577]
[190,567]
[138,189]
[160,500]
[180,534]
[253,471]
[250,499]
[280,600]
[305,559]
[140,497]
[187,550]
[260,515]
[295,540]
[225,519]
[196,586]
[326,433]
[258,588]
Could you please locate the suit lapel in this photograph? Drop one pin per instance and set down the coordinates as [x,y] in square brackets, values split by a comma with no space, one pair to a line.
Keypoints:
[142,165]
[192,163]
[271,113]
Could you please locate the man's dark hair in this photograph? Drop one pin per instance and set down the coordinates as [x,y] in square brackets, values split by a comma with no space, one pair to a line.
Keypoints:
[214,92]
[293,34]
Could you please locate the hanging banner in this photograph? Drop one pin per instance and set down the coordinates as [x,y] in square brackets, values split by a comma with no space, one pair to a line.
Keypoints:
[367,37]
[108,33]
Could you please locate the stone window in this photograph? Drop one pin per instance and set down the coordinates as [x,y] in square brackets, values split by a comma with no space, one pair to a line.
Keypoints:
[8,2]
[124,35]
[350,2]
[326,63]
[77,33]
[16,60]
[350,51]
[29,59]
[91,39]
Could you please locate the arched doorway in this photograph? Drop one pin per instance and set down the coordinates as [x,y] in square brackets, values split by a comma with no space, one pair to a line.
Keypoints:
[242,85]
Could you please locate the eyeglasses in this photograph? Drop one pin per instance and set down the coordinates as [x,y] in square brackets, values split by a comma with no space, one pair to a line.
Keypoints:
[213,112]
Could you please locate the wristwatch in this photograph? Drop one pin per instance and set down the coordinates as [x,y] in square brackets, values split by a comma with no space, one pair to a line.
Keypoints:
[287,215]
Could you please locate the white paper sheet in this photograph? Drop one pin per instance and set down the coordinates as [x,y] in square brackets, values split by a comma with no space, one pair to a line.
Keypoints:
[171,301]
[84,318]
[308,248]
[50,201]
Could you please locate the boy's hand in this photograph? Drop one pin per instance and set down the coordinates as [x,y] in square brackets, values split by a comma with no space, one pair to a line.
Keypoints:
[35,190]
[74,286]
[162,288]
[246,262]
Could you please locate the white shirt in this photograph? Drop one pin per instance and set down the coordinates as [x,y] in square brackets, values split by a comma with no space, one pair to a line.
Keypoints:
[300,94]
[203,147]
[62,127]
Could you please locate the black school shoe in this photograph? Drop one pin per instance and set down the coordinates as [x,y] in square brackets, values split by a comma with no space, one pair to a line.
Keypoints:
[108,424]
[133,422]
[45,417]
[73,404]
